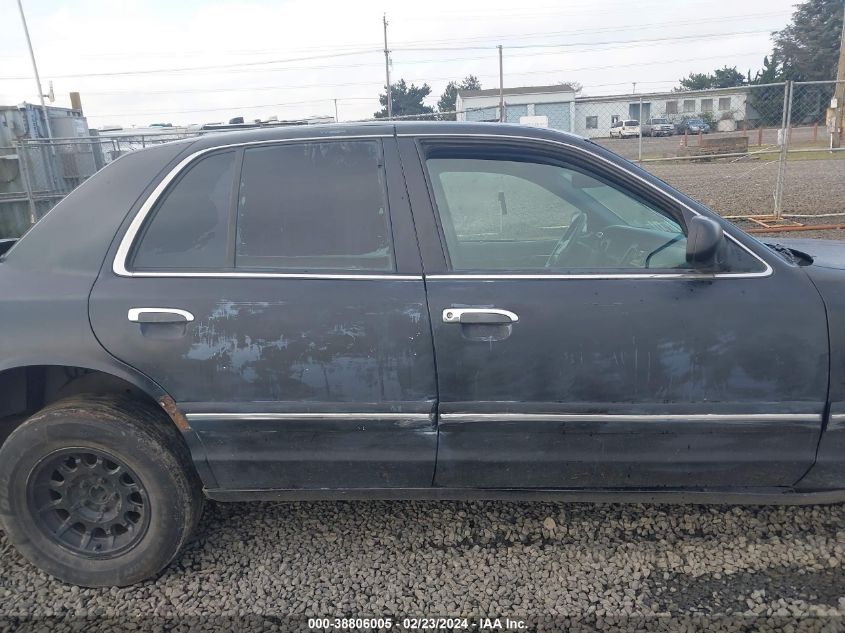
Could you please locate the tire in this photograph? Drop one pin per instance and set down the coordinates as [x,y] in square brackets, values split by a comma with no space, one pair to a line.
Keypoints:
[117,493]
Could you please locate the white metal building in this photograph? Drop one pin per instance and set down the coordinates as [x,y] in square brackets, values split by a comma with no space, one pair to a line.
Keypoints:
[560,108]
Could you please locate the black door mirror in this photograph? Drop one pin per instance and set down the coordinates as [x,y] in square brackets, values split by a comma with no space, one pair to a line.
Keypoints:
[703,240]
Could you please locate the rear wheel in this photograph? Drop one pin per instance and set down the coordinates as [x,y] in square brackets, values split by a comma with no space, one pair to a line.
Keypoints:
[98,491]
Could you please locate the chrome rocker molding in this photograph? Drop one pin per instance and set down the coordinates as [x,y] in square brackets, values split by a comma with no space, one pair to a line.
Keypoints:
[119,266]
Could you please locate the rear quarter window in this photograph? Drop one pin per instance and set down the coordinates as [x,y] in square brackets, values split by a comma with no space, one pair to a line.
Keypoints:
[189,228]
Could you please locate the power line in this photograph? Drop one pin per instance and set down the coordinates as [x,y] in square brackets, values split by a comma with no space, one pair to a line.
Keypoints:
[377,82]
[496,37]
[592,45]
[650,40]
[234,107]
[213,67]
[626,27]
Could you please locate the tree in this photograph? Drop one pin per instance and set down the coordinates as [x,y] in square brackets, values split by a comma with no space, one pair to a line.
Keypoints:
[696,81]
[807,47]
[405,100]
[726,77]
[446,103]
[770,73]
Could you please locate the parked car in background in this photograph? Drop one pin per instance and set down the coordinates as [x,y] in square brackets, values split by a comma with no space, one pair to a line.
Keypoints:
[658,126]
[625,129]
[334,312]
[693,126]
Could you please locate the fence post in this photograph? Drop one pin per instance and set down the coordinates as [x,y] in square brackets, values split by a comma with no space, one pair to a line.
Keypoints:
[640,128]
[33,212]
[786,121]
[760,137]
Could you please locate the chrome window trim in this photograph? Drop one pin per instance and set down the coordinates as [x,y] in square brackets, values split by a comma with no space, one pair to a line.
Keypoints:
[308,416]
[768,271]
[591,417]
[119,265]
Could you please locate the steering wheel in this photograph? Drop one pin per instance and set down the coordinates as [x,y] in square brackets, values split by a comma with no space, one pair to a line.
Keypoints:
[576,226]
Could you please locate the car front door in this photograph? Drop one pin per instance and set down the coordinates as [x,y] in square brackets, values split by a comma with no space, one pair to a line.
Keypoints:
[576,348]
[275,291]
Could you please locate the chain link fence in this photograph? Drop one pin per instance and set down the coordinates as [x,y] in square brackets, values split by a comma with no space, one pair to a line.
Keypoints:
[36,173]
[763,154]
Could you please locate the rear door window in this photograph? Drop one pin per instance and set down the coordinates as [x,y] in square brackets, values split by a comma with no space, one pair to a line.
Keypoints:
[314,206]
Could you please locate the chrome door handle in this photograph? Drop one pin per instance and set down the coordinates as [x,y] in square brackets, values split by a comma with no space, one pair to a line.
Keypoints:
[492,316]
[159,315]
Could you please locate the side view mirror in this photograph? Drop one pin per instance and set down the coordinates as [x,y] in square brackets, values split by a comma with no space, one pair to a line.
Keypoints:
[703,240]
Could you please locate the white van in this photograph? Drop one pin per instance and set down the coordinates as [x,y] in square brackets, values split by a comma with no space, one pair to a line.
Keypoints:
[625,129]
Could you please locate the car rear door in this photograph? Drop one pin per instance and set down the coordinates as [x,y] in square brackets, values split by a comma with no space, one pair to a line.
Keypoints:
[584,353]
[275,291]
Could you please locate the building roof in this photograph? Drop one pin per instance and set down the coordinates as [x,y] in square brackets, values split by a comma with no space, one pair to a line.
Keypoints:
[522,90]
[678,94]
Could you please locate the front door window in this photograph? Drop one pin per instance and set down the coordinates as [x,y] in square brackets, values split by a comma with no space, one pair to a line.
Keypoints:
[520,216]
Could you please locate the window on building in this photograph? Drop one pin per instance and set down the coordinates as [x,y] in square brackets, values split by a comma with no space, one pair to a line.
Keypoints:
[592,123]
[190,227]
[319,205]
[707,105]
[614,118]
[671,107]
[689,105]
[724,103]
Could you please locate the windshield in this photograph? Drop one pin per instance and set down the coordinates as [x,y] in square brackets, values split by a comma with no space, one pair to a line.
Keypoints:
[696,122]
[659,121]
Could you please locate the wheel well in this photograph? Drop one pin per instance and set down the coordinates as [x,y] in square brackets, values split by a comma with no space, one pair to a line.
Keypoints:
[25,390]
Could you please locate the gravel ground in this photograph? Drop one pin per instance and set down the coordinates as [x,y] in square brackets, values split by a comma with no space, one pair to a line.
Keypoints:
[580,567]
[668,145]
[603,563]
[747,187]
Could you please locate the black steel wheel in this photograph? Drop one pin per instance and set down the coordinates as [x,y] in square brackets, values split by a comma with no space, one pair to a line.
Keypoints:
[88,501]
[98,490]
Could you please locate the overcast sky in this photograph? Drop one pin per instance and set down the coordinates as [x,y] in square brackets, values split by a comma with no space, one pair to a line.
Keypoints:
[138,62]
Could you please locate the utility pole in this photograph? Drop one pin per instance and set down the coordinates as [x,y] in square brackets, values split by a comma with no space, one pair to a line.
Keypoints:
[35,70]
[501,88]
[634,88]
[839,91]
[386,71]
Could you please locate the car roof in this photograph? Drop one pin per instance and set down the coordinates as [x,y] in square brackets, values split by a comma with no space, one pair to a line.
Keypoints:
[377,128]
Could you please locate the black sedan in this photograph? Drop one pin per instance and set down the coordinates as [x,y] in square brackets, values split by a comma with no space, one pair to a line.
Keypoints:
[393,311]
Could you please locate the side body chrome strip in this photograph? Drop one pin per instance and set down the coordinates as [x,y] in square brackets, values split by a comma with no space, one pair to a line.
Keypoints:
[615,417]
[516,417]
[308,416]
[119,265]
